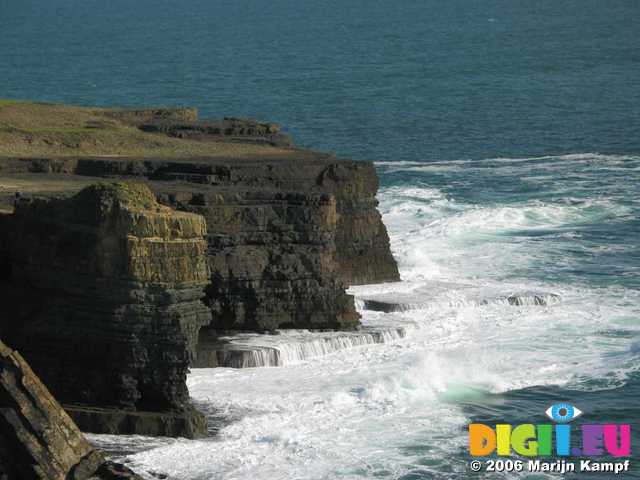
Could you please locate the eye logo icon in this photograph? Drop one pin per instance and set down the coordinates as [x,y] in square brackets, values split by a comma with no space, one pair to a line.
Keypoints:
[563,412]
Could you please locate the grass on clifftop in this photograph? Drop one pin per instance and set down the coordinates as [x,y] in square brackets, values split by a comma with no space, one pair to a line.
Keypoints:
[5,101]
[30,129]
[105,195]
[96,202]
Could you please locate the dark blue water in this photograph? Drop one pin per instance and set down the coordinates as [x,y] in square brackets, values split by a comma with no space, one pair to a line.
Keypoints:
[603,406]
[411,80]
[567,224]
[498,83]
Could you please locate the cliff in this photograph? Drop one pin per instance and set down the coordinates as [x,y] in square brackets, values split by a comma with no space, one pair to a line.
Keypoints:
[286,236]
[103,297]
[112,294]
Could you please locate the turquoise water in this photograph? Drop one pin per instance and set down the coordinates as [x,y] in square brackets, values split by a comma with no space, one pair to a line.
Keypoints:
[507,139]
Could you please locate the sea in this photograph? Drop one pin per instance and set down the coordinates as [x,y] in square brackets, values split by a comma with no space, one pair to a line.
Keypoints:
[506,135]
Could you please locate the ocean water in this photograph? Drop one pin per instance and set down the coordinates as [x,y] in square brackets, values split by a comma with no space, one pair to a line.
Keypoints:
[507,139]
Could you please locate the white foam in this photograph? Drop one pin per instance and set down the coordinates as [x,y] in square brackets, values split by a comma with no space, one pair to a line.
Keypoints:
[433,236]
[353,413]
[293,346]
[365,412]
[592,156]
[509,165]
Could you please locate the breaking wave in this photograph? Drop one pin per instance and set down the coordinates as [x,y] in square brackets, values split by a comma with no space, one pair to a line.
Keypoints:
[504,287]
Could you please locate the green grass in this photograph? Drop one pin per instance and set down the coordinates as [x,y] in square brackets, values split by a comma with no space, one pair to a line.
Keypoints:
[34,128]
[55,130]
[5,102]
[46,131]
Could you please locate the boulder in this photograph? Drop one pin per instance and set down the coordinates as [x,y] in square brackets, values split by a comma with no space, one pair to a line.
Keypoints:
[38,440]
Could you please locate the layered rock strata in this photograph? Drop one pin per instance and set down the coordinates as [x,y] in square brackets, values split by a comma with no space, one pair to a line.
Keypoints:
[105,291]
[363,254]
[105,294]
[286,347]
[227,129]
[285,235]
[38,440]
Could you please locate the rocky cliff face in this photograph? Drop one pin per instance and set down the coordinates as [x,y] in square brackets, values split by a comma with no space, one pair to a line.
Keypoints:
[106,286]
[106,292]
[38,440]
[362,243]
[286,236]
[103,297]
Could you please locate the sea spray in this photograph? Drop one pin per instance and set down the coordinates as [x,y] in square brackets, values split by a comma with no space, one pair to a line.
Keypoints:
[386,410]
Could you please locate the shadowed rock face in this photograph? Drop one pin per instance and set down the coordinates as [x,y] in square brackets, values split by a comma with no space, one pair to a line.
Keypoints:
[285,235]
[102,291]
[272,260]
[228,129]
[289,228]
[106,286]
[105,294]
[363,254]
[38,440]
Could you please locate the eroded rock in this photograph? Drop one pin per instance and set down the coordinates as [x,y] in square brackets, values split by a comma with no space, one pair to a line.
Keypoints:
[285,235]
[38,440]
[106,291]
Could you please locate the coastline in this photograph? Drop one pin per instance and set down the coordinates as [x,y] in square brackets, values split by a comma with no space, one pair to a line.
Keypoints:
[141,262]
